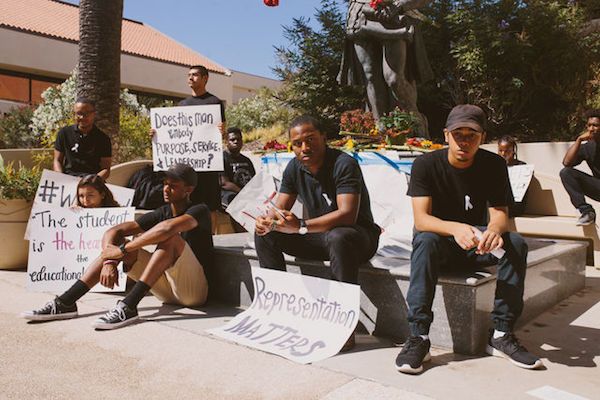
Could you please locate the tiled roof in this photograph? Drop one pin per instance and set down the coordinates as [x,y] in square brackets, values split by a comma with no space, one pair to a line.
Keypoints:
[61,21]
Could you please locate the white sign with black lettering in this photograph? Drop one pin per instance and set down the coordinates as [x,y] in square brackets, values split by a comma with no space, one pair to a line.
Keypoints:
[64,241]
[60,190]
[301,318]
[187,135]
[520,178]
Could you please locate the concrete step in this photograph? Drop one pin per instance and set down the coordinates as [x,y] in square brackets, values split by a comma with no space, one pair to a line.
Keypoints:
[463,301]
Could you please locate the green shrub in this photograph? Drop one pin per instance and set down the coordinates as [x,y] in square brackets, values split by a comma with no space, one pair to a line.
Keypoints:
[261,111]
[21,183]
[15,131]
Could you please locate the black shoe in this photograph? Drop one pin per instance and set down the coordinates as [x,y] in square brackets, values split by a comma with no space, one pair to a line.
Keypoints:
[414,353]
[587,218]
[509,347]
[119,316]
[53,310]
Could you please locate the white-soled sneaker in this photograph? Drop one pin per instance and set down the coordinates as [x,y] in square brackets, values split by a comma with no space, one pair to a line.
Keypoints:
[52,311]
[508,347]
[121,315]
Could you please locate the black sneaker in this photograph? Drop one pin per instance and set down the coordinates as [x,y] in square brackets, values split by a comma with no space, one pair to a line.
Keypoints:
[414,353]
[508,346]
[53,310]
[119,316]
[587,218]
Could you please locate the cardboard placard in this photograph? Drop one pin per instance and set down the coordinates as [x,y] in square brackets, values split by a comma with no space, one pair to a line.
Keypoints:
[65,240]
[301,318]
[187,135]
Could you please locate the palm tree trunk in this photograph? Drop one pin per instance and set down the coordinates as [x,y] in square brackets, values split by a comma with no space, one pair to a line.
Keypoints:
[99,76]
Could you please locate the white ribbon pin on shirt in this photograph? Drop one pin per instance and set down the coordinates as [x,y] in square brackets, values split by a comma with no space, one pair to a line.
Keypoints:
[468,205]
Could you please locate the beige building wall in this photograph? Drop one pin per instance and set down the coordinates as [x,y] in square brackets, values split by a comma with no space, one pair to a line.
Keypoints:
[35,54]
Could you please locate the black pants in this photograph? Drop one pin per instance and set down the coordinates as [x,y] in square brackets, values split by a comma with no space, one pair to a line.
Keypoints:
[579,184]
[432,253]
[346,247]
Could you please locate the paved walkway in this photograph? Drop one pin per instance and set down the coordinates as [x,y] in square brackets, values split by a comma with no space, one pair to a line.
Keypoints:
[169,355]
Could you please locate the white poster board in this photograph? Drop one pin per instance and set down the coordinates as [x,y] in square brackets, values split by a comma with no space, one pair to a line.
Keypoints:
[60,190]
[187,135]
[65,240]
[301,318]
[57,189]
[520,178]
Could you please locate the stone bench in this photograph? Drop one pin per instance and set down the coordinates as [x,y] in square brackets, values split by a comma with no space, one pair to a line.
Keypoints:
[463,302]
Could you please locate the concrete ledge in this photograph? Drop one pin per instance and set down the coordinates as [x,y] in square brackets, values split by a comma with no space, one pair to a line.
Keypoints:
[561,227]
[556,269]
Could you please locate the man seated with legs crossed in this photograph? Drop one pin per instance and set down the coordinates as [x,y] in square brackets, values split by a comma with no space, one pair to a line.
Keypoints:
[174,272]
[452,191]
[340,225]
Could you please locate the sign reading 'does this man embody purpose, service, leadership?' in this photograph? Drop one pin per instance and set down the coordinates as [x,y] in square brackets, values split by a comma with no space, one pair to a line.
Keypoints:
[64,241]
[187,135]
[301,318]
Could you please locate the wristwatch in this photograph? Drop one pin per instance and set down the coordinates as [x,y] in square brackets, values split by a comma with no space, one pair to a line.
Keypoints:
[303,230]
[122,248]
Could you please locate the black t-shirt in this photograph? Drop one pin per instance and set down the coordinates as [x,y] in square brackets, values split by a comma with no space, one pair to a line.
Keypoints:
[461,195]
[238,168]
[339,174]
[589,152]
[205,99]
[208,189]
[199,238]
[82,151]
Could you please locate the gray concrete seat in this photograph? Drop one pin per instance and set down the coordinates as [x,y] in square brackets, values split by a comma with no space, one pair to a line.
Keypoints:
[463,302]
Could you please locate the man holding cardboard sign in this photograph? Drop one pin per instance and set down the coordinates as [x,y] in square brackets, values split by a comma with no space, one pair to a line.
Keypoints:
[340,225]
[174,273]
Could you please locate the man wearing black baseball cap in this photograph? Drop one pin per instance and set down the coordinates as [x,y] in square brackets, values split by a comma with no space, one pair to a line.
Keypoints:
[453,191]
[174,272]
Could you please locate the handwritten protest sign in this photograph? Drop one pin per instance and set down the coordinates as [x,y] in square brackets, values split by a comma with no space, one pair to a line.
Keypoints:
[298,317]
[64,241]
[57,189]
[187,135]
[520,177]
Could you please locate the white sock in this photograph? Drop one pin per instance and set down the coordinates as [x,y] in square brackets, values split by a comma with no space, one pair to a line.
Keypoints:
[424,337]
[498,333]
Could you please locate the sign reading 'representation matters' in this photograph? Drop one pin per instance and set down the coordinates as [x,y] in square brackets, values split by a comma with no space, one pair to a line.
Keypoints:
[187,135]
[301,318]
[64,241]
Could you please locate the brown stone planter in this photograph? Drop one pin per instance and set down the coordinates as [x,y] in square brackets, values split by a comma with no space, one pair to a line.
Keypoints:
[14,215]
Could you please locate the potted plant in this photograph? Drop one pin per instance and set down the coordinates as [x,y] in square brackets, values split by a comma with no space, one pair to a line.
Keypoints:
[17,190]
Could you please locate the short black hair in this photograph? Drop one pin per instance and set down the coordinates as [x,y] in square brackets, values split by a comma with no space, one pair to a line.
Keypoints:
[306,120]
[593,113]
[85,100]
[235,130]
[201,68]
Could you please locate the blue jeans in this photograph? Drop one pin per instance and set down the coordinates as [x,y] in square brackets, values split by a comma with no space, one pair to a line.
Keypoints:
[432,253]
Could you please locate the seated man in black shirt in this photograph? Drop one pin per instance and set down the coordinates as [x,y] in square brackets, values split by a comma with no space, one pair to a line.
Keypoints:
[577,183]
[83,149]
[452,191]
[174,273]
[339,227]
[238,169]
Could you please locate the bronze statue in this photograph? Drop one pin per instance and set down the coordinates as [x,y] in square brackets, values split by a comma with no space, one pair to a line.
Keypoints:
[384,51]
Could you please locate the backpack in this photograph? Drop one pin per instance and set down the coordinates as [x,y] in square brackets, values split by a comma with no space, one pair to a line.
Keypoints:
[148,187]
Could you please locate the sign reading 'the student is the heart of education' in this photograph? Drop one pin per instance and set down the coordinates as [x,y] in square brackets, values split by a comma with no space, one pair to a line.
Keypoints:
[64,241]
